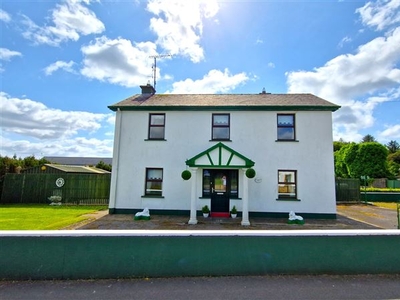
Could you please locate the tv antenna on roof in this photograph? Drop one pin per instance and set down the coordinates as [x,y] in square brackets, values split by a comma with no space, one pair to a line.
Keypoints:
[154,67]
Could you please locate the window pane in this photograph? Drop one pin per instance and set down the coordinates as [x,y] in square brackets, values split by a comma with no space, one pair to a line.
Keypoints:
[287,190]
[285,133]
[153,188]
[287,184]
[286,176]
[221,133]
[234,183]
[220,120]
[154,182]
[156,133]
[157,120]
[154,174]
[220,182]
[206,183]
[285,120]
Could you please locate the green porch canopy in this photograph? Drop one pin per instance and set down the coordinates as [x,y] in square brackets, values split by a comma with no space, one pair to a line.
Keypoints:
[220,156]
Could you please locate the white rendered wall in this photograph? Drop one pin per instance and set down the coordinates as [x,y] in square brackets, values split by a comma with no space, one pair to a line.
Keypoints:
[253,134]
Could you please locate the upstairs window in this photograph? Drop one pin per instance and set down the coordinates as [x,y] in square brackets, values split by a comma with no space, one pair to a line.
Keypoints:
[154,179]
[156,127]
[286,127]
[287,184]
[220,127]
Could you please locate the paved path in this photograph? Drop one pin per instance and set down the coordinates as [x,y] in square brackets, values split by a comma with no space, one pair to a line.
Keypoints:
[379,217]
[359,216]
[235,287]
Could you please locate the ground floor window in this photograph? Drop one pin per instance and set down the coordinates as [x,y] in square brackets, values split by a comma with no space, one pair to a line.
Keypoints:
[154,179]
[287,184]
[220,181]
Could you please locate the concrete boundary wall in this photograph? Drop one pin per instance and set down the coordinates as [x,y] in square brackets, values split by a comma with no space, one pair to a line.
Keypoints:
[85,254]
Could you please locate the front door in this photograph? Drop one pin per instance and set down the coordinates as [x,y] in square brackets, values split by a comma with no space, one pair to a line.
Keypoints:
[219,182]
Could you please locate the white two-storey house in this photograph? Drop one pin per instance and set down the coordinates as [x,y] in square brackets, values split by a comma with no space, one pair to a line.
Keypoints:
[285,138]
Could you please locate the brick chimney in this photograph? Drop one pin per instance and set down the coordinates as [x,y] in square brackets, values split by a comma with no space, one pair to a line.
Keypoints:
[147,89]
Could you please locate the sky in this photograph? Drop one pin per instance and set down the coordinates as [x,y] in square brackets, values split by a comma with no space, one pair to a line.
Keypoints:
[63,62]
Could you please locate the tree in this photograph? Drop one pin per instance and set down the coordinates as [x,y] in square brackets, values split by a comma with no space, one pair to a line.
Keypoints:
[8,165]
[395,157]
[394,164]
[356,160]
[393,146]
[340,165]
[368,139]
[102,165]
[337,145]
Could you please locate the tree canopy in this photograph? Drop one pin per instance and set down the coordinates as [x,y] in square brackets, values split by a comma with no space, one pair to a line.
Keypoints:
[9,164]
[393,146]
[364,159]
[368,139]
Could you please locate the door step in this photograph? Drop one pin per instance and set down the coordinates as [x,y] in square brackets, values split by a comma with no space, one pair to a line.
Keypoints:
[220,215]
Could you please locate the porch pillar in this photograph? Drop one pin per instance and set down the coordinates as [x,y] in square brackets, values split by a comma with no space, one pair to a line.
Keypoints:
[193,215]
[245,200]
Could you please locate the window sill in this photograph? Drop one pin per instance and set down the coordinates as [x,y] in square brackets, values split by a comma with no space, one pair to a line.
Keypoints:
[296,141]
[288,199]
[152,140]
[152,196]
[233,198]
[220,140]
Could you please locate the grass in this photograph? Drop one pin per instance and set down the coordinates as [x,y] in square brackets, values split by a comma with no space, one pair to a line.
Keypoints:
[42,217]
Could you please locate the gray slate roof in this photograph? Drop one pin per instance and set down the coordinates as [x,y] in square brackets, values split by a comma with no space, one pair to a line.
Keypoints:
[261,101]
[78,161]
[77,169]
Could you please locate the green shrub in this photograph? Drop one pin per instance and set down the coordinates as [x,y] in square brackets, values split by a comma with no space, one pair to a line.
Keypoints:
[250,173]
[186,175]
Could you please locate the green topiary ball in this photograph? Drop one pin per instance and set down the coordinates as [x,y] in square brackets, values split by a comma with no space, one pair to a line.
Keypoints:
[186,175]
[250,173]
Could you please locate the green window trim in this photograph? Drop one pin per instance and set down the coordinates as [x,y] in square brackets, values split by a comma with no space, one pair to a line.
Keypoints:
[152,196]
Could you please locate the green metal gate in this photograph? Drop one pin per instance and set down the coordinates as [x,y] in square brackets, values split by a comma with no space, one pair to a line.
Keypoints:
[347,190]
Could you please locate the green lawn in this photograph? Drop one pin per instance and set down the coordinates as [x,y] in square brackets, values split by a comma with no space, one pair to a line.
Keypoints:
[42,216]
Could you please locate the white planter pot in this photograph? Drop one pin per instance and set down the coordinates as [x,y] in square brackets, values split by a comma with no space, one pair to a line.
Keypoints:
[233,216]
[205,215]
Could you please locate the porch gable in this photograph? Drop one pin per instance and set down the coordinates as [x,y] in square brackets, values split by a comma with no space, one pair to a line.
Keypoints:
[220,156]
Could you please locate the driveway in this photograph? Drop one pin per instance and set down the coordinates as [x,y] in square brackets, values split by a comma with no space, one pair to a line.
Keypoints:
[348,217]
[379,217]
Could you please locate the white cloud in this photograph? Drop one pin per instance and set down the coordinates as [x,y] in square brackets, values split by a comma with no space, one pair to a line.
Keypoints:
[4,16]
[344,40]
[58,147]
[214,82]
[6,54]
[380,14]
[271,65]
[179,25]
[34,119]
[66,66]
[70,18]
[391,133]
[118,61]
[352,81]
